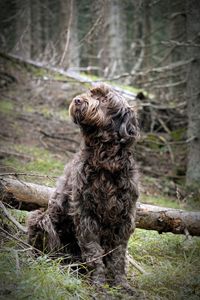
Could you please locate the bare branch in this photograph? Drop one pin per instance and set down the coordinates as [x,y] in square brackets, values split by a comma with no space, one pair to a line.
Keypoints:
[135,264]
[180,44]
[68,33]
[12,219]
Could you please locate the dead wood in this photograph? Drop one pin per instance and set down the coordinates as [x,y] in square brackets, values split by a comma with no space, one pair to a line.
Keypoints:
[163,219]
[11,218]
[70,75]
[148,217]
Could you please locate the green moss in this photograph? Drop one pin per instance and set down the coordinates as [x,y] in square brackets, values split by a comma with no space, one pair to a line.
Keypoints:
[160,201]
[6,106]
[131,89]
[125,87]
[28,109]
[63,114]
[60,114]
[60,77]
[91,76]
[42,162]
[38,72]
[178,134]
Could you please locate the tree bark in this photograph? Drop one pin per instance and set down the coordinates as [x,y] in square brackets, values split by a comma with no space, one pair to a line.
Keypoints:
[68,43]
[147,34]
[36,31]
[112,39]
[148,217]
[163,219]
[177,33]
[193,93]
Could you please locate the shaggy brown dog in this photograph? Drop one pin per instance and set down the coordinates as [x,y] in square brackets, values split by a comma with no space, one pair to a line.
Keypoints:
[92,212]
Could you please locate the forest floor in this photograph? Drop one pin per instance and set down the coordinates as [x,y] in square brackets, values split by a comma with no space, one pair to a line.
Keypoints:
[37,138]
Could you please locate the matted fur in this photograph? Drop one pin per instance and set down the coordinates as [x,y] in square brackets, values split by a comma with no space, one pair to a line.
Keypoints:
[92,211]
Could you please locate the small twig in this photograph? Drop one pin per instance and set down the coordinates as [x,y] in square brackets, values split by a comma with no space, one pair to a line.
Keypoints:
[9,235]
[180,44]
[18,250]
[168,85]
[187,234]
[43,142]
[90,33]
[168,146]
[17,260]
[135,264]
[27,174]
[158,70]
[12,219]
[92,260]
[53,136]
[164,125]
[11,153]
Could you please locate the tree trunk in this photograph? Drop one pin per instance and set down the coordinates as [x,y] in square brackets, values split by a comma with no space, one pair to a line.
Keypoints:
[68,43]
[147,34]
[23,30]
[193,93]
[36,31]
[147,217]
[112,39]
[177,34]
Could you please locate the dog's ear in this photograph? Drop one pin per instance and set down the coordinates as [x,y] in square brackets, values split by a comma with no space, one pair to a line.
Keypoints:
[100,90]
[128,127]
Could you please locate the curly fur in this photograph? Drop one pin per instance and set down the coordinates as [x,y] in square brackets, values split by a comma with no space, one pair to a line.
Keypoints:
[92,211]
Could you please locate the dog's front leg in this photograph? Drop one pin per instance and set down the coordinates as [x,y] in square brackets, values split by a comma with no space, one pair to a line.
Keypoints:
[116,267]
[92,253]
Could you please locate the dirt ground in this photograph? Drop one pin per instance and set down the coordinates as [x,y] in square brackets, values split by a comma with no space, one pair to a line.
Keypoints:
[34,112]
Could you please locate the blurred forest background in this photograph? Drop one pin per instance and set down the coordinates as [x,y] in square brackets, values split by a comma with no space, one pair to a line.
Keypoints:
[152,46]
[149,50]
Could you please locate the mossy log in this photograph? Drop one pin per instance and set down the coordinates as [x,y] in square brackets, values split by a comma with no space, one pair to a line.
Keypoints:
[29,196]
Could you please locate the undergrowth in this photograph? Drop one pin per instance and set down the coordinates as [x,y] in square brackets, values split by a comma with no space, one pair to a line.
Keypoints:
[171,264]
[23,277]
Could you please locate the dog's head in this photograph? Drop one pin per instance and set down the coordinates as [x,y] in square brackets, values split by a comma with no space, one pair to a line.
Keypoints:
[103,110]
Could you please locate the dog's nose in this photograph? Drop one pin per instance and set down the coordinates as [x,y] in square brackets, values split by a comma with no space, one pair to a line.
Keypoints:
[77,101]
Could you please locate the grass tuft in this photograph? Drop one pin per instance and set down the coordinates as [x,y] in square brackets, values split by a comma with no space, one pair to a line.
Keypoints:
[171,262]
[23,277]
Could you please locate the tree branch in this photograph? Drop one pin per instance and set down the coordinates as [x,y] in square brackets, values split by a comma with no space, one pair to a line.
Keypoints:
[148,217]
[68,33]
[10,218]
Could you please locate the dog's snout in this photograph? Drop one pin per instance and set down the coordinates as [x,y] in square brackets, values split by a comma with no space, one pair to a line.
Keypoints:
[77,101]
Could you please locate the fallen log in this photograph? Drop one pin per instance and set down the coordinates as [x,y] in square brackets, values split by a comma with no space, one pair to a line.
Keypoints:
[24,195]
[163,219]
[148,217]
[69,74]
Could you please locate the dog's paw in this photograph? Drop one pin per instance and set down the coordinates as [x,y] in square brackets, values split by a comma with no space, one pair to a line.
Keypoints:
[123,286]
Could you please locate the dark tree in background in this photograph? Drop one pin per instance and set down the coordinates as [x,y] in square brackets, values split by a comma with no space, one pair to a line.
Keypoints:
[193,91]
[150,45]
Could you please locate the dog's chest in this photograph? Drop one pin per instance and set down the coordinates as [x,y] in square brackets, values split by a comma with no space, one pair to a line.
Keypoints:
[106,197]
